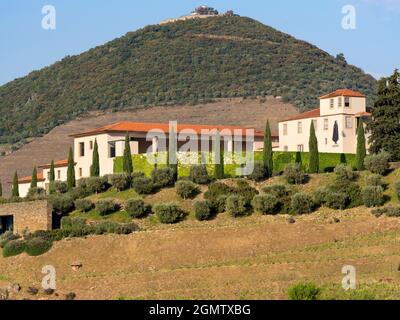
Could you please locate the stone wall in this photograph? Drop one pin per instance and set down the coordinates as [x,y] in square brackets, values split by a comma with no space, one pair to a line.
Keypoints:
[31,216]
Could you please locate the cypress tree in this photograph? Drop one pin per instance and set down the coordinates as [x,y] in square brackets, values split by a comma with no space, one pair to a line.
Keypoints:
[52,174]
[15,187]
[172,160]
[343,159]
[361,149]
[52,178]
[127,159]
[95,168]
[71,182]
[267,152]
[34,178]
[218,158]
[298,159]
[313,149]
[385,127]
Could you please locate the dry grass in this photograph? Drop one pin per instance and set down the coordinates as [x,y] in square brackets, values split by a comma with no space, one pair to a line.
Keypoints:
[257,257]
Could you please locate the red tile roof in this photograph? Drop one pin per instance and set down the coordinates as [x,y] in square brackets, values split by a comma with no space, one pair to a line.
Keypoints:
[28,179]
[164,127]
[306,115]
[343,93]
[57,164]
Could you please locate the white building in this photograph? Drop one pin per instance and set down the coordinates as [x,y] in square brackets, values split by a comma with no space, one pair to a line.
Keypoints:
[111,144]
[337,118]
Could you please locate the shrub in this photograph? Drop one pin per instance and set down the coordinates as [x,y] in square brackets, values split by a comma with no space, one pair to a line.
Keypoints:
[219,204]
[302,203]
[320,195]
[198,174]
[43,234]
[104,227]
[259,173]
[337,200]
[186,189]
[304,291]
[345,173]
[375,180]
[69,222]
[142,185]
[83,205]
[236,206]
[37,246]
[97,184]
[265,203]
[60,187]
[202,210]
[377,163]
[351,190]
[106,206]
[163,178]
[62,203]
[168,213]
[13,248]
[246,191]
[7,237]
[294,174]
[36,194]
[278,190]
[120,182]
[136,208]
[373,196]
[387,211]
[126,228]
[79,192]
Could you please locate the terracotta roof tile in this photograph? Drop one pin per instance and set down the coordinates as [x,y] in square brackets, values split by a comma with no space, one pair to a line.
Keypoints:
[28,179]
[57,164]
[343,93]
[306,115]
[146,127]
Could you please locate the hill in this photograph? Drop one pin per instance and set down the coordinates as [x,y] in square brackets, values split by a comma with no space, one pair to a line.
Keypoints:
[255,257]
[55,144]
[189,61]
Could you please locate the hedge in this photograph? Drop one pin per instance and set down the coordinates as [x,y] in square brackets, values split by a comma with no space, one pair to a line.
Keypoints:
[328,161]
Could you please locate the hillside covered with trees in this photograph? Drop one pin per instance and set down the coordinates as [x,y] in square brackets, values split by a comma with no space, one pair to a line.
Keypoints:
[190,61]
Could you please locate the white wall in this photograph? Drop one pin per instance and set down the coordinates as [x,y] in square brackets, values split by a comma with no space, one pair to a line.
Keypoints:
[357,105]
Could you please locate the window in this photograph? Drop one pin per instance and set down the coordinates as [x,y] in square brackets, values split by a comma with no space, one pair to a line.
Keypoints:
[340,102]
[285,131]
[332,104]
[286,148]
[347,102]
[299,127]
[326,141]
[349,123]
[80,172]
[300,148]
[91,145]
[326,124]
[58,174]
[111,151]
[81,149]
[315,125]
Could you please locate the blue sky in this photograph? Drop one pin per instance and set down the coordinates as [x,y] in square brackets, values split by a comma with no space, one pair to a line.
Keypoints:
[82,24]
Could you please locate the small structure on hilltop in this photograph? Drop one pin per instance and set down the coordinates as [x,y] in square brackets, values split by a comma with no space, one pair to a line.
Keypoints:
[200,12]
[205,11]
